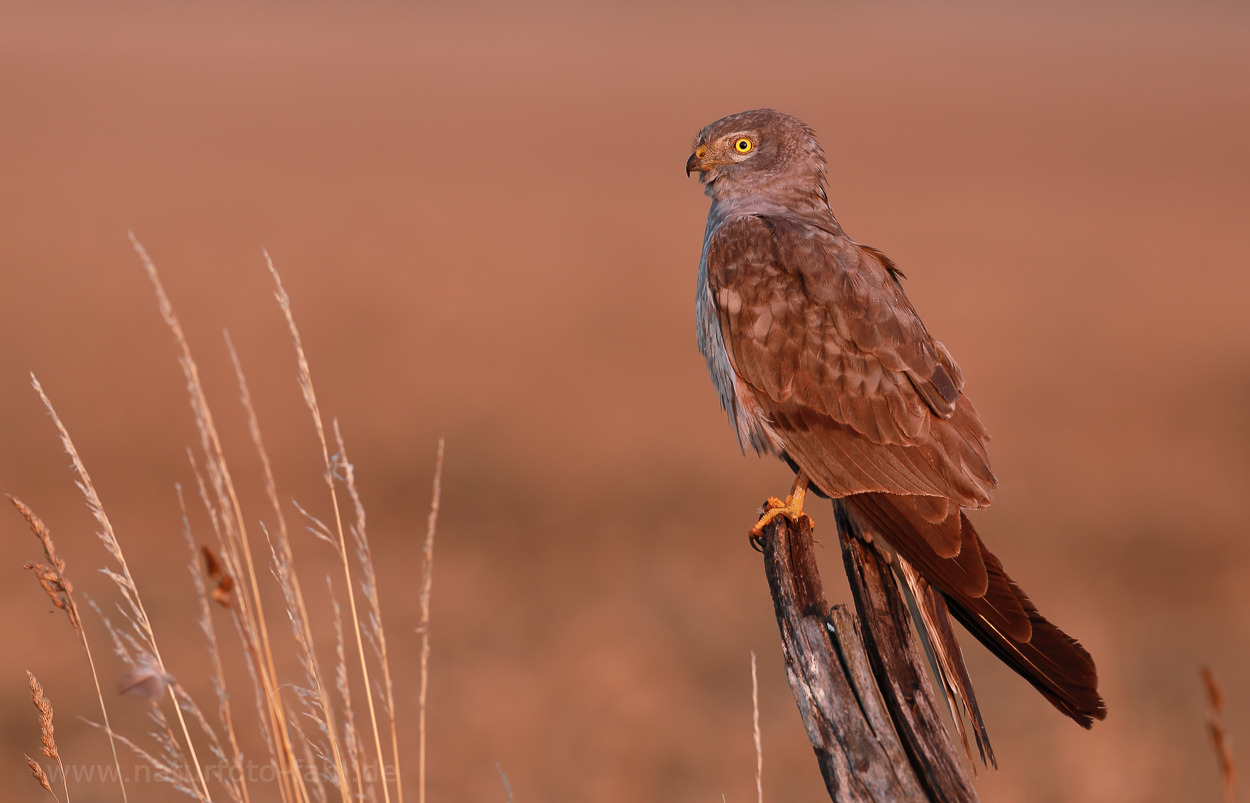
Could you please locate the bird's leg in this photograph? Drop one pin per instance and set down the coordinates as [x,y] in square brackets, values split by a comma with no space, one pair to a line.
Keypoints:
[792,508]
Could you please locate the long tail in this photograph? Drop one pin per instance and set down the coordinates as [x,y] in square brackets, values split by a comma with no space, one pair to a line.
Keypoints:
[947,552]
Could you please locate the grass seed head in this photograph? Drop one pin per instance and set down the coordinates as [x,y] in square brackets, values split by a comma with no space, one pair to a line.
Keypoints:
[45,717]
[38,772]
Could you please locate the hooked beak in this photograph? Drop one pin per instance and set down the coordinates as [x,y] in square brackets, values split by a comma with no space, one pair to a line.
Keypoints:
[695,162]
[699,163]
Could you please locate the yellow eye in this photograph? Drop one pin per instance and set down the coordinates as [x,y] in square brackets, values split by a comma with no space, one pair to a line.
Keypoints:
[743,145]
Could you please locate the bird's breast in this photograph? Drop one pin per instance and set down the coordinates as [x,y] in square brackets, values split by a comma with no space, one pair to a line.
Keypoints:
[751,425]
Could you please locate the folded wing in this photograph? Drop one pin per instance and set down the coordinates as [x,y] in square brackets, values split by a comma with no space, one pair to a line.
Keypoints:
[819,332]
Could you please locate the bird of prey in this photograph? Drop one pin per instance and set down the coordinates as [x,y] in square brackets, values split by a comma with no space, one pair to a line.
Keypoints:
[820,359]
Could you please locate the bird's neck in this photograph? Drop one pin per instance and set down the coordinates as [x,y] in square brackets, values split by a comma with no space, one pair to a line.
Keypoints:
[809,204]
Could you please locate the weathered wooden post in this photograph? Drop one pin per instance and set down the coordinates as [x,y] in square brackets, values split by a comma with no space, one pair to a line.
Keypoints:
[859,680]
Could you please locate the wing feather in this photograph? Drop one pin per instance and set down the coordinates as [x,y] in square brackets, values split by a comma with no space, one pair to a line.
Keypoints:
[818,330]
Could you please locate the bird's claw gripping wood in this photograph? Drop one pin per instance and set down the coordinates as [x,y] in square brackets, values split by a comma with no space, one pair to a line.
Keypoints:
[792,508]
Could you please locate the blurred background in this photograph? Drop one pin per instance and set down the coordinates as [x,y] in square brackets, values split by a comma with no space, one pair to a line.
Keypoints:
[481,216]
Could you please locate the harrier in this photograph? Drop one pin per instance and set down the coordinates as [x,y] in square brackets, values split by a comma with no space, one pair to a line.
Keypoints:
[820,359]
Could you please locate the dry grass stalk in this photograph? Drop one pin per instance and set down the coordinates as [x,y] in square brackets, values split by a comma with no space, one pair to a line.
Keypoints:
[755,719]
[233,584]
[243,616]
[237,547]
[47,736]
[313,697]
[284,558]
[424,628]
[243,628]
[238,789]
[310,398]
[376,633]
[59,589]
[507,787]
[165,769]
[1220,740]
[318,790]
[51,575]
[214,743]
[351,739]
[124,581]
[146,680]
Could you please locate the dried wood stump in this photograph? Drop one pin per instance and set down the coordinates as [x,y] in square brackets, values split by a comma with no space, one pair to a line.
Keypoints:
[859,681]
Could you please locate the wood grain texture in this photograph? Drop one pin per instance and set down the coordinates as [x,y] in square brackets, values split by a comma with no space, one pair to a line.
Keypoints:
[899,667]
[853,711]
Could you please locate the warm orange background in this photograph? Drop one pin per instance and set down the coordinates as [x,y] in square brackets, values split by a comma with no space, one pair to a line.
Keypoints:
[483,222]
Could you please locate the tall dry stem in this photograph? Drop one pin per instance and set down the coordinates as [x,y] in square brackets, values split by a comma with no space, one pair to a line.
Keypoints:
[240,616]
[224,713]
[310,398]
[376,633]
[252,614]
[233,582]
[427,585]
[351,739]
[125,581]
[285,566]
[755,720]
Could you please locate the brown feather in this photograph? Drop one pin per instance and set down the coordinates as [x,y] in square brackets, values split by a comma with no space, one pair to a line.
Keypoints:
[964,574]
[1001,617]
[820,333]
[937,519]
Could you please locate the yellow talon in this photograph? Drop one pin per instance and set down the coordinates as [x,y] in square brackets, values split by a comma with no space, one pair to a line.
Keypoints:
[792,508]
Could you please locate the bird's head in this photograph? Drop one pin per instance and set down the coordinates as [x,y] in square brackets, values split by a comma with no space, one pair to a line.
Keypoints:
[755,151]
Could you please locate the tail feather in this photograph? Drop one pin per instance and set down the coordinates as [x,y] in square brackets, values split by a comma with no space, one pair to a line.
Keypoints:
[1054,662]
[938,633]
[1001,616]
